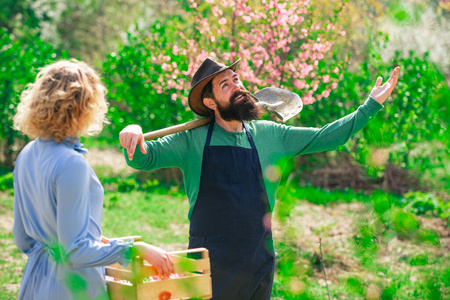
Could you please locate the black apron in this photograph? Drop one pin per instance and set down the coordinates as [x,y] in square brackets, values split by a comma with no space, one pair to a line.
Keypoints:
[228,220]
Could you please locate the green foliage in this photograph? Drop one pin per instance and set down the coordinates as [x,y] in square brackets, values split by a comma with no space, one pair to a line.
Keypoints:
[7,182]
[416,114]
[355,285]
[20,61]
[404,223]
[428,204]
[293,268]
[419,260]
[19,17]
[129,76]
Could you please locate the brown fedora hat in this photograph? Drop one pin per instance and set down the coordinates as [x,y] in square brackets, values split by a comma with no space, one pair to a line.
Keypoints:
[205,73]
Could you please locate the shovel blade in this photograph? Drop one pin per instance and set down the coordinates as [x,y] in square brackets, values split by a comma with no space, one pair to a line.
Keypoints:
[291,105]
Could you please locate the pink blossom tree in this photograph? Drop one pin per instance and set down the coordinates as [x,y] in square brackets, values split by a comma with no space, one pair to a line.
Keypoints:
[277,41]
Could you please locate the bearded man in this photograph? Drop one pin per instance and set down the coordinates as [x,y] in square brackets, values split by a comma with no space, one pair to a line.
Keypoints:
[226,167]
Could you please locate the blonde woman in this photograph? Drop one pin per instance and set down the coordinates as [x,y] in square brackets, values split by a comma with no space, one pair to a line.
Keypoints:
[58,199]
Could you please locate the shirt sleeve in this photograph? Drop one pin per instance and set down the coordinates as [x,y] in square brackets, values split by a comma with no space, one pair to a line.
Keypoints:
[300,140]
[169,151]
[73,217]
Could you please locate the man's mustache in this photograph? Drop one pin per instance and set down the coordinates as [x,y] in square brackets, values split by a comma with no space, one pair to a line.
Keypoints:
[245,94]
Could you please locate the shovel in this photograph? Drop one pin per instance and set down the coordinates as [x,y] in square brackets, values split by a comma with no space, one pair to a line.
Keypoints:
[284,104]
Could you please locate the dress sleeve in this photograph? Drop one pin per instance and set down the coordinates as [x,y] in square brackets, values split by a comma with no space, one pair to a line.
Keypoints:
[301,140]
[73,217]
[22,240]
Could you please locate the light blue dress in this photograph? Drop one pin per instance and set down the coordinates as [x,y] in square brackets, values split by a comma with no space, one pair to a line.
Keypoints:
[58,203]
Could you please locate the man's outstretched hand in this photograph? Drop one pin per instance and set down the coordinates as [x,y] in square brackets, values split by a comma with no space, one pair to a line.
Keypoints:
[381,92]
[130,137]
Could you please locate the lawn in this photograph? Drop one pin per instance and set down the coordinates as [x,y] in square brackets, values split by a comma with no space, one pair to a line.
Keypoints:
[369,247]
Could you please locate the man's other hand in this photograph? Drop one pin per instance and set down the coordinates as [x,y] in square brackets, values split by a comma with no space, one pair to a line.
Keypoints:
[381,92]
[130,137]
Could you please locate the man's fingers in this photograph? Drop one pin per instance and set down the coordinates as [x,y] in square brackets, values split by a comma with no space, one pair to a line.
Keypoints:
[394,78]
[131,147]
[142,145]
[379,80]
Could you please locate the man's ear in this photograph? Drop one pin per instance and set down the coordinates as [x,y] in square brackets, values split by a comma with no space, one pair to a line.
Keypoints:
[210,103]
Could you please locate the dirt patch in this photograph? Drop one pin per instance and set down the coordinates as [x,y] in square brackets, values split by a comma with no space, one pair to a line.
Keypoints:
[108,158]
[6,222]
[336,225]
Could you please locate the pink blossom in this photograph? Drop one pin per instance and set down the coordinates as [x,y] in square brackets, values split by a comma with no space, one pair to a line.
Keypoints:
[216,11]
[247,19]
[175,50]
[299,84]
[264,34]
[308,99]
[326,93]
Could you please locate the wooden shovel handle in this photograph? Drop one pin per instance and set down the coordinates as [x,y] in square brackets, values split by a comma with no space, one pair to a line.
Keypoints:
[176,128]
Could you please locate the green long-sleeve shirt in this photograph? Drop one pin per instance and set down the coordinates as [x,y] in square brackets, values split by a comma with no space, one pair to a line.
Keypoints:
[274,143]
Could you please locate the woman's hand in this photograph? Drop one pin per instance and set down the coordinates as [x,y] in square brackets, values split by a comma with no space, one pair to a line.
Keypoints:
[156,257]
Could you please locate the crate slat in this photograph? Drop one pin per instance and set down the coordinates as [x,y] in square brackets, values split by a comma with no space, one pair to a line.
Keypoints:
[195,282]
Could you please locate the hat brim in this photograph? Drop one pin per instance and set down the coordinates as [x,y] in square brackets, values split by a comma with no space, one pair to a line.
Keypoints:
[195,95]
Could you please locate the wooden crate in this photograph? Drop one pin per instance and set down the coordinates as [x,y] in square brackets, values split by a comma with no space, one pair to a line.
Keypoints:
[194,283]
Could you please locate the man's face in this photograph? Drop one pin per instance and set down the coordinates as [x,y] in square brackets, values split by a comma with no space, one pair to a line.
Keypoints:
[233,100]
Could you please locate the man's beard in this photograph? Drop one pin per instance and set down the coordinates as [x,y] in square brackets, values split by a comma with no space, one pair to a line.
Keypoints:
[244,110]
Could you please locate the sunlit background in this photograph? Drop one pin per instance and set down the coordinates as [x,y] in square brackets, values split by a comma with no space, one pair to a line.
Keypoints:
[378,205]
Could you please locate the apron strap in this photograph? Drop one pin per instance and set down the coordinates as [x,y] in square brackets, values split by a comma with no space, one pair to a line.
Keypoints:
[208,137]
[250,139]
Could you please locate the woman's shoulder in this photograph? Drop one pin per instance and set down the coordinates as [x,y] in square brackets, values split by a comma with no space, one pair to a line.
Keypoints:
[60,153]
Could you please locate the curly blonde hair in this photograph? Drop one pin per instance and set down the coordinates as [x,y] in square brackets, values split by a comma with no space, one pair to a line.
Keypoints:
[67,100]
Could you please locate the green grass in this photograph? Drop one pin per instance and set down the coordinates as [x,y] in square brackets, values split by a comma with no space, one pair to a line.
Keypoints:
[160,219]
[419,270]
[12,261]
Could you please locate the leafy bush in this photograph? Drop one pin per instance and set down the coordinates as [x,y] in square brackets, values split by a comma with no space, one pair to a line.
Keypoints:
[411,132]
[20,61]
[428,204]
[7,182]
